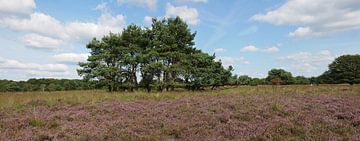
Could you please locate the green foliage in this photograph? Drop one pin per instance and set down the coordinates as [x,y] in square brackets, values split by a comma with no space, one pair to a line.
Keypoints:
[258,81]
[46,85]
[282,76]
[37,123]
[301,80]
[244,80]
[164,56]
[344,69]
[277,107]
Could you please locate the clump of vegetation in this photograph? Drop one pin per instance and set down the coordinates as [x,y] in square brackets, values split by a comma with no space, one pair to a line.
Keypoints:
[344,69]
[164,56]
[277,107]
[36,122]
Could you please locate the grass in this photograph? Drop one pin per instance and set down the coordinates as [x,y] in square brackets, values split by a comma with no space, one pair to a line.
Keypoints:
[22,100]
[325,112]
[36,122]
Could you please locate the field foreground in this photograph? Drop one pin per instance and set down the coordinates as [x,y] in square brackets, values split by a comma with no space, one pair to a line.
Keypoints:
[325,115]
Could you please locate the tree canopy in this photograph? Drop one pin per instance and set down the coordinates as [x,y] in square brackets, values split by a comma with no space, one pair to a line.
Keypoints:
[279,76]
[163,56]
[344,69]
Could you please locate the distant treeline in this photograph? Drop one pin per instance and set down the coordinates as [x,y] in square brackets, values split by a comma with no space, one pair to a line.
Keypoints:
[164,57]
[45,84]
[345,69]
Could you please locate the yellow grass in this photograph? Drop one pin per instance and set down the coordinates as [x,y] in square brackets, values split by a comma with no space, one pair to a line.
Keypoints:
[20,99]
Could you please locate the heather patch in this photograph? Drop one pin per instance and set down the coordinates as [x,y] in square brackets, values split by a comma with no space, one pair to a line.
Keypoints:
[227,117]
[227,114]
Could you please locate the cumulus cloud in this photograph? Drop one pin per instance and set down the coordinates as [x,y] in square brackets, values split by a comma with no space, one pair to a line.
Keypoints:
[45,31]
[41,42]
[16,7]
[315,17]
[17,65]
[72,58]
[231,61]
[271,49]
[190,15]
[252,48]
[86,30]
[306,62]
[47,74]
[19,70]
[49,25]
[249,48]
[151,4]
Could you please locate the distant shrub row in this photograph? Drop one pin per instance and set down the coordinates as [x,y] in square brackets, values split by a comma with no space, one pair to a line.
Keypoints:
[46,85]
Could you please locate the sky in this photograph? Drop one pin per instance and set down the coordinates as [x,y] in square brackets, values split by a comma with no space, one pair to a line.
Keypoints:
[47,38]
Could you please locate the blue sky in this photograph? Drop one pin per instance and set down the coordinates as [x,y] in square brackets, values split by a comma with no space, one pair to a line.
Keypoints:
[46,38]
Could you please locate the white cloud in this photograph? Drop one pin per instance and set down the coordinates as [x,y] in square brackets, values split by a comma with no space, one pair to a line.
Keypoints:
[199,1]
[219,50]
[18,70]
[46,31]
[151,4]
[17,65]
[271,49]
[46,74]
[303,32]
[148,20]
[315,17]
[227,61]
[249,48]
[41,42]
[37,23]
[190,15]
[252,48]
[16,7]
[305,62]
[87,30]
[71,57]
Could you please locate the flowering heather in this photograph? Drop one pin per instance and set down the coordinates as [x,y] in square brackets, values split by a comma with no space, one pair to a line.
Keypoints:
[297,116]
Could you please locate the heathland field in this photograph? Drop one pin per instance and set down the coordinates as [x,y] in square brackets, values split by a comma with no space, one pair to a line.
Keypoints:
[325,112]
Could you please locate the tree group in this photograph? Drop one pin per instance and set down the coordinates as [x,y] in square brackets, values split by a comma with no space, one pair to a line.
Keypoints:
[344,69]
[162,57]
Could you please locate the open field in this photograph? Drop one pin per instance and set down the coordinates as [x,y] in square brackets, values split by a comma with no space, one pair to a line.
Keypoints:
[325,112]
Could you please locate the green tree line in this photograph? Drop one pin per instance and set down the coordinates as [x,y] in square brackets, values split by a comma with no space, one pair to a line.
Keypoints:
[46,84]
[164,57]
[344,69]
